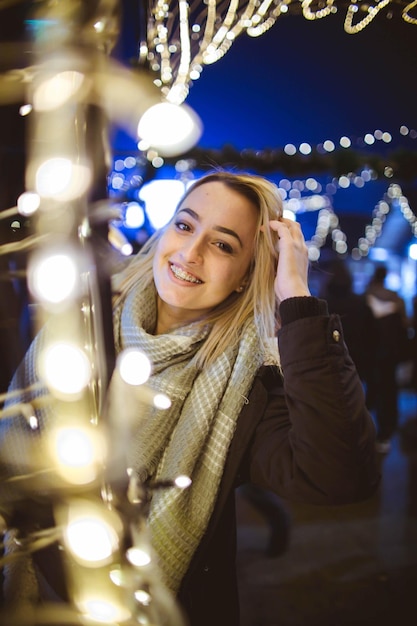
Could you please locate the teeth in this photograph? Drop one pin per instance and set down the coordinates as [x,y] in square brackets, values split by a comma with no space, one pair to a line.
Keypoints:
[179,273]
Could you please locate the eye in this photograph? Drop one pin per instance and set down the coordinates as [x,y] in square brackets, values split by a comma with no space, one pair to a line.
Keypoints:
[180,225]
[225,247]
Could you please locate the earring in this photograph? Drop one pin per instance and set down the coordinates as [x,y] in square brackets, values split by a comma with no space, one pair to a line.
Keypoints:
[240,289]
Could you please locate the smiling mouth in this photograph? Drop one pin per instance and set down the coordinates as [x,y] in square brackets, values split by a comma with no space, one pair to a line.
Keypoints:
[183,275]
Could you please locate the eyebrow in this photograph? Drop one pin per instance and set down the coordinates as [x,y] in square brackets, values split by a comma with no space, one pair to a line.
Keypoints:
[220,229]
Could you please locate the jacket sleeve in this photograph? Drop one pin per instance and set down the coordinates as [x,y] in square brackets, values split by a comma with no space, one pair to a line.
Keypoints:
[316,441]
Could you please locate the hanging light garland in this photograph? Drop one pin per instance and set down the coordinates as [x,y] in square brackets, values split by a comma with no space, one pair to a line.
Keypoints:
[328,225]
[301,194]
[182,37]
[328,156]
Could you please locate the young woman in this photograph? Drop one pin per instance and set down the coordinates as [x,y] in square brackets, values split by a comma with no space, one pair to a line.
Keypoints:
[201,300]
[205,299]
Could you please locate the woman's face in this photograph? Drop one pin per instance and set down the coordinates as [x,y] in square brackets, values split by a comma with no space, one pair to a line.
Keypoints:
[204,254]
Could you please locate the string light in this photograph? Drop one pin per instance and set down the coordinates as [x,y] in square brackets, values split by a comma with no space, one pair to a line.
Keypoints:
[183,37]
[59,176]
[307,194]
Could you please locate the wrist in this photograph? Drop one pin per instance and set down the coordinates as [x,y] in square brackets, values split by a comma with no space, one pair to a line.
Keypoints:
[297,307]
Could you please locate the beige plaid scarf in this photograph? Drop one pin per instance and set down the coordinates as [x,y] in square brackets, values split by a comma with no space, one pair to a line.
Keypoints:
[193,437]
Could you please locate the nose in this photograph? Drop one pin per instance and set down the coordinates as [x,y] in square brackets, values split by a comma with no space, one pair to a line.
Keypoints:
[192,250]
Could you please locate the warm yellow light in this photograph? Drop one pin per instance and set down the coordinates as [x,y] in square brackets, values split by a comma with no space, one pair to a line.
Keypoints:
[54,91]
[78,452]
[92,533]
[143,597]
[170,129]
[52,277]
[25,109]
[28,202]
[61,179]
[101,609]
[139,557]
[74,447]
[118,241]
[90,539]
[161,401]
[134,366]
[65,368]
[183,482]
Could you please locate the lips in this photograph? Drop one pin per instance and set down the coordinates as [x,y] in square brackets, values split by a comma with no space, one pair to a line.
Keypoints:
[181,274]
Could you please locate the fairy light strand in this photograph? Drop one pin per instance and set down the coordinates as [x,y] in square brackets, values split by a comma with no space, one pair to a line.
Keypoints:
[182,37]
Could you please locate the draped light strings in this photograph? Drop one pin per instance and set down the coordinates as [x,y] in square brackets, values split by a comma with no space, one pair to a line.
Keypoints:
[182,37]
[77,468]
[299,194]
[328,225]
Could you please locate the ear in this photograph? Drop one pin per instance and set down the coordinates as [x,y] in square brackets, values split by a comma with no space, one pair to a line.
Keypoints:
[242,286]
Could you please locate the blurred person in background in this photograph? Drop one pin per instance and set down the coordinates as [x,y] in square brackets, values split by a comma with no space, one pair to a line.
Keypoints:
[359,324]
[392,348]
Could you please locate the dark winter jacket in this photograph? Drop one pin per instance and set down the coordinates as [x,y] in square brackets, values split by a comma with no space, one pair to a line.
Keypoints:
[305,435]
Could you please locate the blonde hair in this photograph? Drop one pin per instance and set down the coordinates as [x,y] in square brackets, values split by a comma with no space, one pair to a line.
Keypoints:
[257,301]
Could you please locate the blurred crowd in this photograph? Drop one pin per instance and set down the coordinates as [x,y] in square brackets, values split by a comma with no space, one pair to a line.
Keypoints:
[381,339]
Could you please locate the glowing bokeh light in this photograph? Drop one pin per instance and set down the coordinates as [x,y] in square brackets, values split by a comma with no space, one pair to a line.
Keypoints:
[61,179]
[100,608]
[412,251]
[139,557]
[91,538]
[53,277]
[183,482]
[161,401]
[28,202]
[161,198]
[65,368]
[77,448]
[134,366]
[56,90]
[170,128]
[134,215]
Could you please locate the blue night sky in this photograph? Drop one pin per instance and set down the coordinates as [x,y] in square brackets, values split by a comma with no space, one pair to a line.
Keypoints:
[309,81]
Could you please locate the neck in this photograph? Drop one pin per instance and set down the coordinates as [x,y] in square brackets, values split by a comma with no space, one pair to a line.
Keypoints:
[170,318]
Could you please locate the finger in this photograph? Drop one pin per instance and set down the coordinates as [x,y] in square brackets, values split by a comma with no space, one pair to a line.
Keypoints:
[283,228]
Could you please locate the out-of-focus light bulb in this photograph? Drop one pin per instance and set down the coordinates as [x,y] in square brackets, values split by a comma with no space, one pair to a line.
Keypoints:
[170,129]
[65,368]
[139,557]
[134,366]
[102,609]
[78,453]
[161,198]
[54,91]
[74,447]
[161,401]
[91,539]
[412,251]
[143,597]
[28,202]
[134,215]
[91,531]
[183,482]
[25,109]
[53,277]
[289,215]
[61,179]
[118,240]
[77,447]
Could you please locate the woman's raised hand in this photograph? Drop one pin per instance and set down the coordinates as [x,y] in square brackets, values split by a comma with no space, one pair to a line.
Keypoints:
[292,272]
